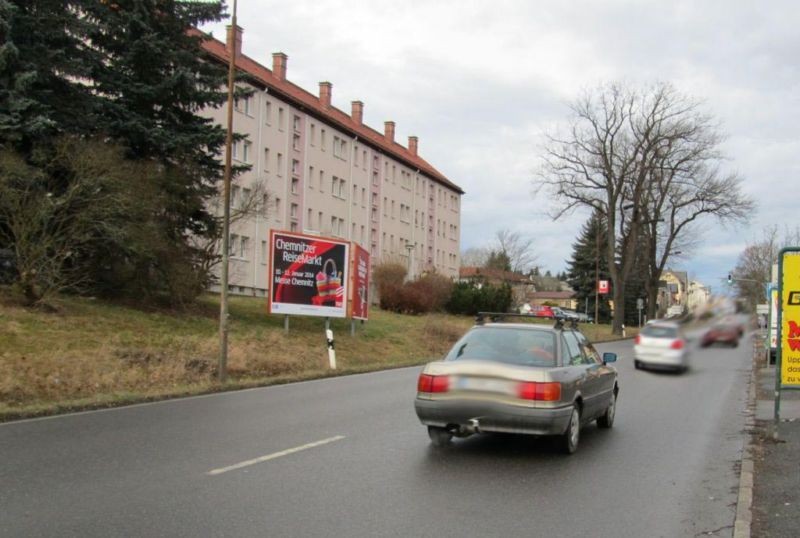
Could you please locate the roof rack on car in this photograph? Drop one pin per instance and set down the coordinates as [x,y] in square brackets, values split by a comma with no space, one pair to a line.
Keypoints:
[480,319]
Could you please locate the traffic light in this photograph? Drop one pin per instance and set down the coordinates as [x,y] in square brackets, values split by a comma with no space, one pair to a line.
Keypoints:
[730,279]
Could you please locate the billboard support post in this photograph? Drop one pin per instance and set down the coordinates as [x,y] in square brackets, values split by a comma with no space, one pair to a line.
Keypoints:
[286,323]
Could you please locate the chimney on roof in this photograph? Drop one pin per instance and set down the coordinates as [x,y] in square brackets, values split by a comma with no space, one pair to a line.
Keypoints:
[279,61]
[388,130]
[234,39]
[325,91]
[413,144]
[357,111]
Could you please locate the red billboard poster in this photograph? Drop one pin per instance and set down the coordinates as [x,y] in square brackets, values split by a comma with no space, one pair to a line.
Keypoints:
[308,275]
[359,290]
[602,286]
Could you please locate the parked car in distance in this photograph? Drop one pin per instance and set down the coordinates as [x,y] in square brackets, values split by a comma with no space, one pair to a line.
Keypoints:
[722,333]
[542,311]
[660,344]
[565,313]
[518,378]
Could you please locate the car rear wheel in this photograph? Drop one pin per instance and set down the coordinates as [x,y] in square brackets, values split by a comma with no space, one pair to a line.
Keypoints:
[637,365]
[571,437]
[440,437]
[607,419]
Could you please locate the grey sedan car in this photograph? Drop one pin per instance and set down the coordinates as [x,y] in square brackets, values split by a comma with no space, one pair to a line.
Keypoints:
[518,378]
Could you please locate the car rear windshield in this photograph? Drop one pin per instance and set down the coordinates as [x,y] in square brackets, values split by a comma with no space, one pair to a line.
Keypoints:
[659,331]
[509,345]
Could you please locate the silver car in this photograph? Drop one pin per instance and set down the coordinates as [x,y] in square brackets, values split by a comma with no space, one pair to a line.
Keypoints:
[661,345]
[518,378]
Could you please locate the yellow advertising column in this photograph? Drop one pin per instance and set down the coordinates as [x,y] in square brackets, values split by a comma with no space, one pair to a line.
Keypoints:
[789,327]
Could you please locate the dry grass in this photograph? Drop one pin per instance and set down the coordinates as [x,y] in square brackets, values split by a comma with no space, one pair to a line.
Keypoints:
[91,353]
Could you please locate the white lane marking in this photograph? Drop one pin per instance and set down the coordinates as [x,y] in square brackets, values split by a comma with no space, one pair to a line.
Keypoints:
[274,455]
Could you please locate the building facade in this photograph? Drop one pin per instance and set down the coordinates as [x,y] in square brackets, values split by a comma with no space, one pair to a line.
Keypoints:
[323,171]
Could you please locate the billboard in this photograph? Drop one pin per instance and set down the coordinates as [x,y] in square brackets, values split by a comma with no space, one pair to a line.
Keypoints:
[359,290]
[308,275]
[789,325]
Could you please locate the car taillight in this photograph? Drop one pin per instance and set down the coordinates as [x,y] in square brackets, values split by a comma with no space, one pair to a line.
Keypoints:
[545,392]
[637,340]
[433,383]
[676,344]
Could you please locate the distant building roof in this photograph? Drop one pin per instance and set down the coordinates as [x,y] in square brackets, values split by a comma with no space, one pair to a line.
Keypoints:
[492,274]
[553,295]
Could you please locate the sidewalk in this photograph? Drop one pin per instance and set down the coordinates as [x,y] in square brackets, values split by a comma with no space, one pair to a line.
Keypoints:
[776,476]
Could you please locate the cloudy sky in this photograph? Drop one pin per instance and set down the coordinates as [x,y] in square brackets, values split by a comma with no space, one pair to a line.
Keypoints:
[480,82]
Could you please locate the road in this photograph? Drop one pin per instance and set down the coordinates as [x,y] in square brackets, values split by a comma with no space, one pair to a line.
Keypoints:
[667,468]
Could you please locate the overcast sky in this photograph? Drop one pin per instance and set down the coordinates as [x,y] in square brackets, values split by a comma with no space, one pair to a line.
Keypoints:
[480,82]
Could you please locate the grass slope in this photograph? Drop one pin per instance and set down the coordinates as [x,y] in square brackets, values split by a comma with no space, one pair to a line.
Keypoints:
[93,354]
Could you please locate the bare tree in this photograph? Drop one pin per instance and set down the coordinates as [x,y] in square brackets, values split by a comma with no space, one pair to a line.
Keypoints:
[51,220]
[603,162]
[250,202]
[754,267]
[685,184]
[474,257]
[517,248]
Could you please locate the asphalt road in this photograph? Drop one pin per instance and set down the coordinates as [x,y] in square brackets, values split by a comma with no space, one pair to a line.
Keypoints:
[667,468]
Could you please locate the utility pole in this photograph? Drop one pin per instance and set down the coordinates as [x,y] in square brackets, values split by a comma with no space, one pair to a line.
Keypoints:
[222,370]
[597,271]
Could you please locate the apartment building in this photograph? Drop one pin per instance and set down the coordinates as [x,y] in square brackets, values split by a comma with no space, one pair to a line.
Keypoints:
[325,172]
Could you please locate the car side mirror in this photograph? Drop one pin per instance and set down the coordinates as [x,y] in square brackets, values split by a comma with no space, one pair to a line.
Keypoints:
[609,357]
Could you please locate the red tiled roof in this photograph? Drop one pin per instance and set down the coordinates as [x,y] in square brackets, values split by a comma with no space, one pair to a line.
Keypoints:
[306,100]
[499,274]
[553,295]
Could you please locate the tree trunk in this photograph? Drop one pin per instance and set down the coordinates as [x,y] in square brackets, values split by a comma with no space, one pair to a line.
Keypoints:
[652,298]
[619,306]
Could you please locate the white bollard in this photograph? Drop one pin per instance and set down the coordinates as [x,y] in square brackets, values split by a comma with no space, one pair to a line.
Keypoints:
[331,350]
[623,331]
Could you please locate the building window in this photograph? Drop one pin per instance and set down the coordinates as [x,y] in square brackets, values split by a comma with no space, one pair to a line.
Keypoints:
[310,177]
[245,200]
[313,135]
[264,252]
[342,189]
[279,164]
[321,180]
[355,155]
[374,198]
[385,206]
[266,159]
[375,179]
[319,222]
[293,227]
[243,246]
[268,113]
[363,197]
[295,185]
[295,167]
[293,212]
[334,226]
[374,215]
[278,208]
[310,215]
[243,104]
[355,195]
[322,139]
[296,142]
[232,244]
[336,148]
[281,118]
[296,123]
[234,195]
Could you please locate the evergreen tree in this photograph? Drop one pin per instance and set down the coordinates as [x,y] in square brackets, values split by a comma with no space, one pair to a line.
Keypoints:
[581,267]
[133,72]
[498,260]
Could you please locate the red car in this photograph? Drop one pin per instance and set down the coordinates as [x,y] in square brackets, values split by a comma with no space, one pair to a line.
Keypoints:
[543,311]
[725,334]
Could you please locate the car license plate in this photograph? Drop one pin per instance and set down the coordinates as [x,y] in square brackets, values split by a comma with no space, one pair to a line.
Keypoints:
[484,385]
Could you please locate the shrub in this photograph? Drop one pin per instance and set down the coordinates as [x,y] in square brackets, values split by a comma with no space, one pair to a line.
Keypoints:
[469,299]
[429,293]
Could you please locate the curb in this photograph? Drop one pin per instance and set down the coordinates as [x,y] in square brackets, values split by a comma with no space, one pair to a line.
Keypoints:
[744,503]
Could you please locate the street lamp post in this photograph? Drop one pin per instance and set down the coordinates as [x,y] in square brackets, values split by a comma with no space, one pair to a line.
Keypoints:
[597,271]
[222,370]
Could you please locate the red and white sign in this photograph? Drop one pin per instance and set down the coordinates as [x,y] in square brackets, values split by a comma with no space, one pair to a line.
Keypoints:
[308,275]
[359,288]
[602,286]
